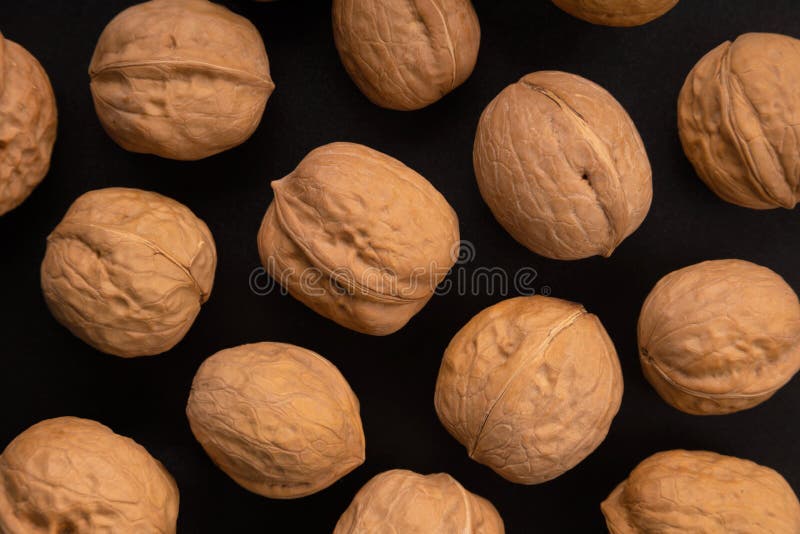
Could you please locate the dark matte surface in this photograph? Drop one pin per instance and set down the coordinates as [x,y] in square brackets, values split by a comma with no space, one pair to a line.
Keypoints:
[45,372]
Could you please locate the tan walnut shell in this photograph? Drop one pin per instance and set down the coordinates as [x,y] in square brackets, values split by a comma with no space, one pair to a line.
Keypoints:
[358,237]
[739,120]
[562,167]
[616,12]
[406,55]
[404,502]
[126,271]
[280,420]
[28,120]
[676,492]
[71,475]
[182,79]
[529,386]
[720,336]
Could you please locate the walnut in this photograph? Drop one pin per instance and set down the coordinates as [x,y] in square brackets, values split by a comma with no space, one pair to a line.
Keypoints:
[562,167]
[616,12]
[406,55]
[405,502]
[182,79]
[280,420]
[529,386]
[739,120]
[358,237]
[674,492]
[127,270]
[719,336]
[69,475]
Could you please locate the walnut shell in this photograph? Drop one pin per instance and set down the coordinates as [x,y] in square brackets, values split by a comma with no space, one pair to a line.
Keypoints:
[406,55]
[27,124]
[358,237]
[529,386]
[280,420]
[182,79]
[400,501]
[675,492]
[562,167]
[127,270]
[616,12]
[719,336]
[75,475]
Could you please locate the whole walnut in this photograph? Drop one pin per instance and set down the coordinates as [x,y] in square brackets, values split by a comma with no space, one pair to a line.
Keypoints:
[400,501]
[739,120]
[358,237]
[182,79]
[71,475]
[280,420]
[406,55]
[27,124]
[616,12]
[562,167]
[529,386]
[127,270]
[719,336]
[677,491]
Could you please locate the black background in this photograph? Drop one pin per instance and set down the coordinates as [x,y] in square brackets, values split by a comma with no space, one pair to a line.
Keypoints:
[45,372]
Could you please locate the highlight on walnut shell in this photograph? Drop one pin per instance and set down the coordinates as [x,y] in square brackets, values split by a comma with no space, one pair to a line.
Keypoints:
[76,475]
[409,503]
[697,491]
[181,79]
[28,121]
[358,237]
[720,336]
[278,419]
[562,167]
[738,117]
[617,12]
[406,55]
[530,386]
[127,270]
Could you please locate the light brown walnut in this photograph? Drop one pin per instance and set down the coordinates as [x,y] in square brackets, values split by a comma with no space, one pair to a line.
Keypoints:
[616,12]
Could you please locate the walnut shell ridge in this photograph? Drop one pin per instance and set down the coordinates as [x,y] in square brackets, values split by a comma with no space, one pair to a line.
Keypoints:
[616,12]
[720,336]
[679,491]
[530,386]
[76,475]
[278,419]
[127,270]
[562,167]
[182,79]
[400,501]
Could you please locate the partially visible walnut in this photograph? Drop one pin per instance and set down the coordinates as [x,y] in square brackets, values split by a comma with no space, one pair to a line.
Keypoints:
[616,12]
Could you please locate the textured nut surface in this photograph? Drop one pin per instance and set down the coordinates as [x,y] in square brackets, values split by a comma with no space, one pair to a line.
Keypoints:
[739,120]
[616,12]
[358,237]
[678,491]
[405,54]
[182,79]
[280,420]
[27,124]
[127,270]
[400,501]
[529,386]
[562,167]
[70,475]
[720,336]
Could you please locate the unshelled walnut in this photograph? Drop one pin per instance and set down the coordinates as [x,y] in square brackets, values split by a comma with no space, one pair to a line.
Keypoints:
[400,501]
[406,55]
[529,386]
[182,79]
[358,237]
[280,420]
[676,492]
[27,124]
[720,336]
[739,120]
[71,475]
[127,270]
[616,12]
[562,167]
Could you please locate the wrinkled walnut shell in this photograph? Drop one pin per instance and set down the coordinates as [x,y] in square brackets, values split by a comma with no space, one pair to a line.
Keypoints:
[616,12]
